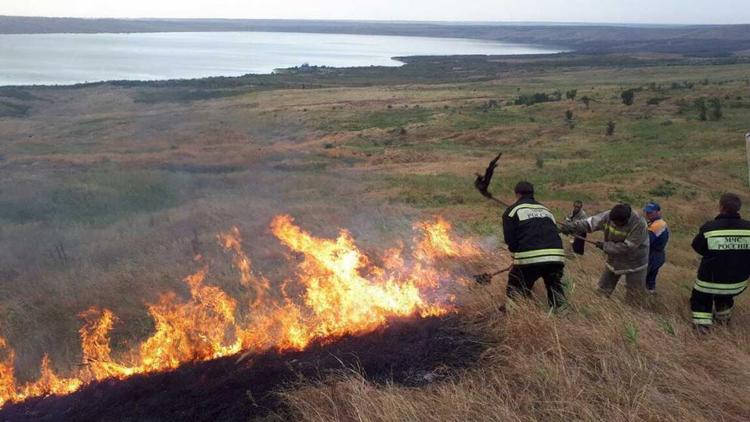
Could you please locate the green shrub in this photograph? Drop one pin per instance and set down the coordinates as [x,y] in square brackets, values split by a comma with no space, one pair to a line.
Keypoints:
[628,97]
[611,128]
[539,97]
[666,189]
[700,105]
[8,109]
[715,112]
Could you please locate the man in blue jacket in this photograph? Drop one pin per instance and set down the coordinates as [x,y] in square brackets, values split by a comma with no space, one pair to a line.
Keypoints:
[658,233]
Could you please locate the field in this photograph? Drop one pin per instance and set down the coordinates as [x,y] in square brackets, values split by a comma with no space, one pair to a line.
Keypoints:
[109,190]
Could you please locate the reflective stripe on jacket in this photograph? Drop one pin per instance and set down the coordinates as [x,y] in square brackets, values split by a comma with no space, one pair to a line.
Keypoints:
[531,233]
[626,247]
[724,244]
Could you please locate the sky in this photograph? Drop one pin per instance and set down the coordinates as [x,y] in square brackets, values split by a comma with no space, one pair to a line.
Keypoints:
[594,11]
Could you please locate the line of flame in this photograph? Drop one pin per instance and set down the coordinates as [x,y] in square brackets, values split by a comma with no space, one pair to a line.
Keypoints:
[343,293]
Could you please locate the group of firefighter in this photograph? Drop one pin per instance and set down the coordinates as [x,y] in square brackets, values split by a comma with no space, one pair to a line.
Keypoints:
[634,245]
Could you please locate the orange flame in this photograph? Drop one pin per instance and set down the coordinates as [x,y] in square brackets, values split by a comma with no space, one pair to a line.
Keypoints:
[232,240]
[343,293]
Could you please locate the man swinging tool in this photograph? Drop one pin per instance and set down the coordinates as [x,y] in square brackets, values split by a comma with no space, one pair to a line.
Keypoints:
[626,244]
[533,239]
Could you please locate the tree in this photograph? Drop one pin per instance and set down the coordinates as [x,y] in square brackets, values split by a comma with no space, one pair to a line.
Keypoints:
[700,104]
[569,119]
[586,101]
[571,95]
[628,96]
[610,128]
[715,112]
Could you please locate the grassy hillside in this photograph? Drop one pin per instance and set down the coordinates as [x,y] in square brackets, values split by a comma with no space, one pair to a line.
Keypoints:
[109,190]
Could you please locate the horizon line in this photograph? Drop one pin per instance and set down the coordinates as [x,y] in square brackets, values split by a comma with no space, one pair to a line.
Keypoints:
[397,21]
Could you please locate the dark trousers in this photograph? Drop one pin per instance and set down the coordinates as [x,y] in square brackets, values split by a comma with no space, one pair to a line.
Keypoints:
[579,244]
[522,278]
[707,308]
[655,261]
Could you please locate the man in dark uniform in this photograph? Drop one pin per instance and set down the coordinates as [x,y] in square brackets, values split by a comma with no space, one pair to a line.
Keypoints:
[724,244]
[532,237]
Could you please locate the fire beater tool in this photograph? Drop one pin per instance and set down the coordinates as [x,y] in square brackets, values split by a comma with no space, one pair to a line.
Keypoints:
[486,278]
[575,236]
[482,182]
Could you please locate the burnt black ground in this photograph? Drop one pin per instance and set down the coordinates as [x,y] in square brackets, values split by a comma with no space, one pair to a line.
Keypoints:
[228,390]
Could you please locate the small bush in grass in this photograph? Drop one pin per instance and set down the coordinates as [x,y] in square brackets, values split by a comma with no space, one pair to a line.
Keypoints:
[666,189]
[628,97]
[655,100]
[569,119]
[631,333]
[700,105]
[539,97]
[714,108]
[586,101]
[539,161]
[611,128]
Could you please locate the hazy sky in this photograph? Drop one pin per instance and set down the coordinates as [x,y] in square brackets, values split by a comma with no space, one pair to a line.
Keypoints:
[624,11]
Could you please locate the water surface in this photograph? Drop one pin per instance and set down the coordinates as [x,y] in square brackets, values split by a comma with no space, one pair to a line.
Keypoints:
[50,59]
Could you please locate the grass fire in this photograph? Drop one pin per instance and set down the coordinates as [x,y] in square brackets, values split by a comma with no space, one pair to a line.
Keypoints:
[342,293]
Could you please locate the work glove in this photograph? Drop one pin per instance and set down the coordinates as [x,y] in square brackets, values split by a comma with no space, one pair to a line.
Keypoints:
[600,245]
[567,227]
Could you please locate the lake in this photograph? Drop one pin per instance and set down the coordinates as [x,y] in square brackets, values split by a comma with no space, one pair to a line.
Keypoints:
[51,59]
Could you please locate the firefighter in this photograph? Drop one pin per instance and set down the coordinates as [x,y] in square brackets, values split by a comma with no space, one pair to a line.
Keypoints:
[626,245]
[724,245]
[658,233]
[579,243]
[532,237]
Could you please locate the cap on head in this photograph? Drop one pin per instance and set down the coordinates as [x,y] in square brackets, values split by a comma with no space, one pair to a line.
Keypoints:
[730,203]
[652,207]
[524,188]
[620,213]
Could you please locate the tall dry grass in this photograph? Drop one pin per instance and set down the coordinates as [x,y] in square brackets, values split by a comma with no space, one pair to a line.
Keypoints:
[601,360]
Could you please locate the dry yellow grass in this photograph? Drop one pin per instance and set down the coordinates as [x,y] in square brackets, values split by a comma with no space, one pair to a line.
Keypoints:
[602,360]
